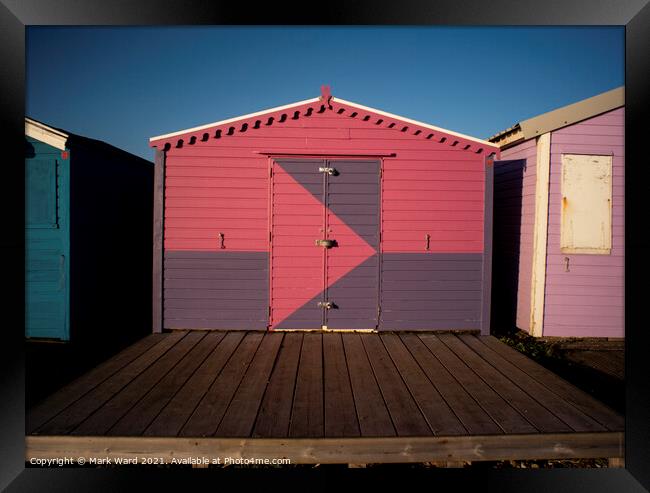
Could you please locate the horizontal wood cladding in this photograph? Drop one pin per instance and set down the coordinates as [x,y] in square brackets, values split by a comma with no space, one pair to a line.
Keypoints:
[297,221]
[347,205]
[440,291]
[216,290]
[427,198]
[359,122]
[221,185]
[207,197]
[441,201]
[47,245]
[355,291]
[586,297]
[284,142]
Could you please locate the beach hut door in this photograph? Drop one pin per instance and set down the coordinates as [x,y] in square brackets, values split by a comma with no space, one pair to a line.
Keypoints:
[324,244]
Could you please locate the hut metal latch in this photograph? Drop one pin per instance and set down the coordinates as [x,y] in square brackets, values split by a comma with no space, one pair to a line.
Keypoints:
[566,264]
[326,243]
[427,240]
[325,304]
[221,238]
[329,171]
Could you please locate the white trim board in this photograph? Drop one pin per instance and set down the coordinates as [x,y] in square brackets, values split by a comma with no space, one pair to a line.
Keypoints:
[48,135]
[540,235]
[234,119]
[418,123]
[333,99]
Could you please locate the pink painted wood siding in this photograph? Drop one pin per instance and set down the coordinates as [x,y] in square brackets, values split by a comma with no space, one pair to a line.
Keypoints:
[587,301]
[218,180]
[515,193]
[207,195]
[221,185]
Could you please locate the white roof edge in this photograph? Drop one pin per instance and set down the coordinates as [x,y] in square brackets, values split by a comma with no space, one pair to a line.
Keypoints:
[415,122]
[231,120]
[40,131]
[314,100]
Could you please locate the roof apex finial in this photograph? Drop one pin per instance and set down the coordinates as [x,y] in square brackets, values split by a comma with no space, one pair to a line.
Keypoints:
[325,94]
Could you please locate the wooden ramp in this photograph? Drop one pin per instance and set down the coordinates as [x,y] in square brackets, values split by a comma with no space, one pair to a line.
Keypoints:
[322,398]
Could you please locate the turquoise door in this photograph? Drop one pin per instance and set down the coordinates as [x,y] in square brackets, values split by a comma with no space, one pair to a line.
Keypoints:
[46,242]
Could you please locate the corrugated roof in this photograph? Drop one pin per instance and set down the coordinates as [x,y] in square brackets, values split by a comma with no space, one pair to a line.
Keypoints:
[339,105]
[561,117]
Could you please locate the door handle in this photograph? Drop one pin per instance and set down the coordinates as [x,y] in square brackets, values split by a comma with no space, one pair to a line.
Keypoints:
[326,243]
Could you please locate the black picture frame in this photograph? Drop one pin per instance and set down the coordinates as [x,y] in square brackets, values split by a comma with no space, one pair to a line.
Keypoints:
[633,14]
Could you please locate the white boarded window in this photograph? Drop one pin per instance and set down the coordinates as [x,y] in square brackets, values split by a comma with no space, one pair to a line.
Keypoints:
[586,223]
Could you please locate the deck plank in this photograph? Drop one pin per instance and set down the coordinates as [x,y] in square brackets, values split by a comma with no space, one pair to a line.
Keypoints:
[542,418]
[473,417]
[177,411]
[438,414]
[117,406]
[570,415]
[324,386]
[499,410]
[142,414]
[72,416]
[75,390]
[239,419]
[337,450]
[340,414]
[209,412]
[611,363]
[580,399]
[404,411]
[275,413]
[372,413]
[307,410]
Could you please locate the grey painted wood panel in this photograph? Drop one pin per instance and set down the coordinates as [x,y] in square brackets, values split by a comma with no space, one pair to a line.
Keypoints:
[424,291]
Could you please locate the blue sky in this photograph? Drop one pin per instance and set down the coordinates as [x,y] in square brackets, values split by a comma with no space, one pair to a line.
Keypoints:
[123,85]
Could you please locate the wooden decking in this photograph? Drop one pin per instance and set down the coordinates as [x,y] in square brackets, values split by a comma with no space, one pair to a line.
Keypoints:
[318,398]
[607,357]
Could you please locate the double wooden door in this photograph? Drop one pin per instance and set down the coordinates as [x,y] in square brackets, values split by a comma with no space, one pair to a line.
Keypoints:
[325,243]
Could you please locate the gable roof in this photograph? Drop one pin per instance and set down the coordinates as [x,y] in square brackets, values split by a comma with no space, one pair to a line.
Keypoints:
[319,105]
[64,140]
[50,135]
[561,117]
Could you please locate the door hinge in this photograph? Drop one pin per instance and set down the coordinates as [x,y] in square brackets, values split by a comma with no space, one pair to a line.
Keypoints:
[270,236]
[271,171]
